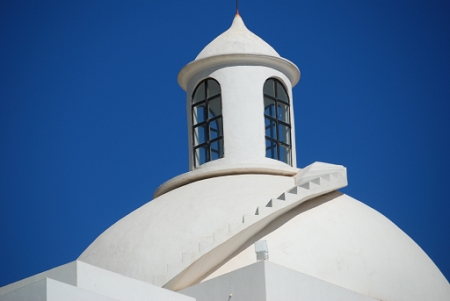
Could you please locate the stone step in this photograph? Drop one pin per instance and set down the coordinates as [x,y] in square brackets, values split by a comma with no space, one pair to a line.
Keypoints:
[264,211]
[207,243]
[299,191]
[311,186]
[335,175]
[326,177]
[276,203]
[288,197]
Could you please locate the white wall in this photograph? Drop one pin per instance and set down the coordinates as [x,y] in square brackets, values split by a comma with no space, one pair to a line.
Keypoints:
[81,281]
[267,281]
[243,113]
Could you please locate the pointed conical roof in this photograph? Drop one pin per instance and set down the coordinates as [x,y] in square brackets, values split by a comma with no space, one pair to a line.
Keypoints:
[237,40]
[238,45]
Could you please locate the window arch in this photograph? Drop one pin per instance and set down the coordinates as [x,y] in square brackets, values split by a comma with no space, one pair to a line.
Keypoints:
[277,121]
[207,129]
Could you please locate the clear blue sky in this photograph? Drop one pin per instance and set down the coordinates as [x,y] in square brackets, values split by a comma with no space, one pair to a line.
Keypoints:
[92,119]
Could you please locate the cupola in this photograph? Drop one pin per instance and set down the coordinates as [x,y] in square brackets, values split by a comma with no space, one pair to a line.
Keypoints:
[239,103]
[240,109]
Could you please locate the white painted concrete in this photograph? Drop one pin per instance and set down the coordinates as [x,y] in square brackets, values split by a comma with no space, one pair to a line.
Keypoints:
[243,114]
[66,273]
[289,285]
[240,46]
[342,241]
[51,290]
[241,62]
[270,282]
[238,236]
[211,171]
[35,291]
[57,291]
[120,287]
[244,284]
[81,281]
[237,39]
[333,238]
[157,240]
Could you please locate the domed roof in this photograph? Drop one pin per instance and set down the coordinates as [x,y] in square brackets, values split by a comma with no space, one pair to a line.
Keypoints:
[143,243]
[333,237]
[343,241]
[237,40]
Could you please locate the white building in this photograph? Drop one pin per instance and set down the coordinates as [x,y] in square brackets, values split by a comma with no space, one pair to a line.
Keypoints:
[196,238]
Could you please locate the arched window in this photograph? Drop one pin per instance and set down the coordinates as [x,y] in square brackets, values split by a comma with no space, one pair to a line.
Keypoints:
[277,121]
[207,122]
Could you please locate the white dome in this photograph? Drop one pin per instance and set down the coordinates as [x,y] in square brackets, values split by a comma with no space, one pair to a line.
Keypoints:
[334,238]
[237,40]
[141,244]
[343,241]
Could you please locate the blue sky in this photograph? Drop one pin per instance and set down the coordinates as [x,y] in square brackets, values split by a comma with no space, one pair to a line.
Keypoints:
[92,119]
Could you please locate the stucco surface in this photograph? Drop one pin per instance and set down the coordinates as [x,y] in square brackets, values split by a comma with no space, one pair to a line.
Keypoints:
[334,238]
[78,280]
[237,39]
[267,281]
[243,114]
[341,240]
[51,290]
[141,244]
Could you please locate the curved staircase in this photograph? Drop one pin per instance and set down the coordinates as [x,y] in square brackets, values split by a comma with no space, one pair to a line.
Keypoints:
[206,253]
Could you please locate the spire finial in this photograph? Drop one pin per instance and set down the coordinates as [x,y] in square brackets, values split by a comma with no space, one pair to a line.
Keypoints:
[237,7]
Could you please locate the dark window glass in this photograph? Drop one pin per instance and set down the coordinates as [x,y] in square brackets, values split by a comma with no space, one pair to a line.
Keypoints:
[213,88]
[269,107]
[200,134]
[199,114]
[207,126]
[271,149]
[215,128]
[271,128]
[269,88]
[284,134]
[217,149]
[283,112]
[281,93]
[199,94]
[277,121]
[285,154]
[215,107]
[201,154]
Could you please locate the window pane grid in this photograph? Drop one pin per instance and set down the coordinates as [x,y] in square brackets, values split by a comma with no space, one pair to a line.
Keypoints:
[215,118]
[207,122]
[208,143]
[201,102]
[277,121]
[283,123]
[212,97]
[284,144]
